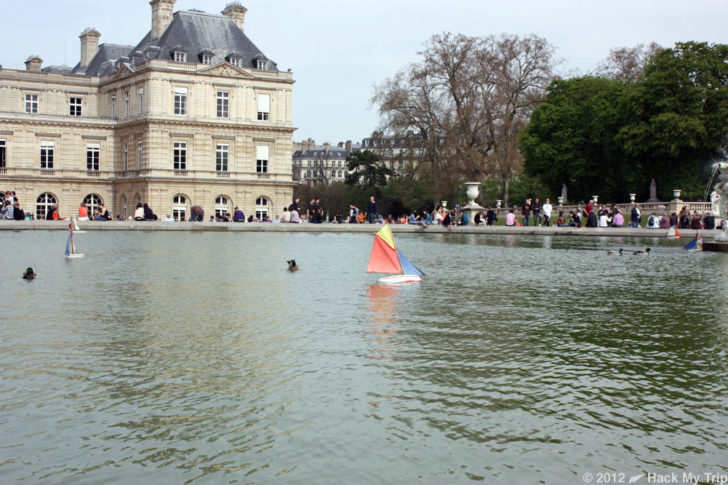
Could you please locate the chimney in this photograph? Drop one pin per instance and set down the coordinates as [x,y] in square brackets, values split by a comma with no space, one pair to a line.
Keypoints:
[89,45]
[236,12]
[33,63]
[161,16]
[348,145]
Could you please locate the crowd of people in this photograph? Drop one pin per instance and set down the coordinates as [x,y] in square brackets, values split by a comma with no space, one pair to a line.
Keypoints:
[533,212]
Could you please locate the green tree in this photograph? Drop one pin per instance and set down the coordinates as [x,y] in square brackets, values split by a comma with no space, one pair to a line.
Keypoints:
[367,171]
[570,139]
[678,117]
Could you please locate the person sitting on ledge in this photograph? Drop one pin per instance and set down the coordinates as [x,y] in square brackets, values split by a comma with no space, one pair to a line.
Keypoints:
[139,212]
[510,218]
[238,215]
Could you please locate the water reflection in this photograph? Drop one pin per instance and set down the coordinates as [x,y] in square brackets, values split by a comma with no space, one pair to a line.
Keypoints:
[382,301]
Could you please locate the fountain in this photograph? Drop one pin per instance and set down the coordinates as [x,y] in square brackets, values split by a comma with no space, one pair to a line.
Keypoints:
[719,208]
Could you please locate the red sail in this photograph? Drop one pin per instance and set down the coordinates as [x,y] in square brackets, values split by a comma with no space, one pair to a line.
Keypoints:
[383,258]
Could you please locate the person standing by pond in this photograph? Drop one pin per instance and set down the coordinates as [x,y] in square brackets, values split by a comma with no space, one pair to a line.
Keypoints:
[536,209]
[372,210]
[636,216]
[526,211]
[547,209]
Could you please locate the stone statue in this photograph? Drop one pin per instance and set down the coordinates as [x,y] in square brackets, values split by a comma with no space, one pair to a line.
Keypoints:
[653,191]
[563,195]
[715,203]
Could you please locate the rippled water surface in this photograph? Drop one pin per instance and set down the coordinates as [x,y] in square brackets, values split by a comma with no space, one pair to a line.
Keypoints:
[196,357]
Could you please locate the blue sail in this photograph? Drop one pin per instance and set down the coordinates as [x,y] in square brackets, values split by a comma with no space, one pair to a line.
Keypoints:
[68,243]
[407,267]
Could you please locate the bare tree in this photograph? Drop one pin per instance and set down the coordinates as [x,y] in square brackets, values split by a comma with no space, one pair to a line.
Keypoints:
[628,64]
[467,99]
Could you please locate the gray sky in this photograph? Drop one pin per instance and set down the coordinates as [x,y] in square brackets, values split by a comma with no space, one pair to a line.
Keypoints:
[338,50]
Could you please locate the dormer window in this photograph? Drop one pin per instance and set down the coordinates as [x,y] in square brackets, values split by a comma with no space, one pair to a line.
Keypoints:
[206,56]
[235,61]
[262,64]
[180,56]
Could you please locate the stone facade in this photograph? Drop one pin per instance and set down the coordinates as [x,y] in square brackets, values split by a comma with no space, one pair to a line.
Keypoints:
[213,131]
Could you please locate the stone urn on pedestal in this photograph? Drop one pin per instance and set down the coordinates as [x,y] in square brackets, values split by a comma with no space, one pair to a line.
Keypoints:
[472,208]
[676,204]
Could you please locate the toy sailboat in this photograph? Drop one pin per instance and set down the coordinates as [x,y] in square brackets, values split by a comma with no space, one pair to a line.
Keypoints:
[673,233]
[386,258]
[696,244]
[71,252]
[76,229]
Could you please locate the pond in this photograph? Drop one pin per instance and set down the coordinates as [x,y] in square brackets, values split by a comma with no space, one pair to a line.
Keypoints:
[196,357]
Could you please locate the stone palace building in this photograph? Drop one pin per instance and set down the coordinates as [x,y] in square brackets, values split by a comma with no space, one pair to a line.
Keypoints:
[194,114]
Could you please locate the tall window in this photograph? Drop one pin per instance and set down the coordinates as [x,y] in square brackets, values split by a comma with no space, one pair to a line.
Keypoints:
[31,103]
[75,106]
[180,56]
[126,103]
[140,154]
[141,100]
[179,208]
[126,156]
[261,159]
[263,107]
[221,156]
[2,153]
[92,157]
[180,101]
[222,207]
[236,61]
[223,104]
[207,58]
[92,202]
[261,208]
[43,204]
[46,154]
[180,155]
[262,64]
[113,107]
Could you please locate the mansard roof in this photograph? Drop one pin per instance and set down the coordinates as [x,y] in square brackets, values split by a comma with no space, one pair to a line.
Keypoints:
[103,62]
[195,32]
[190,31]
[320,152]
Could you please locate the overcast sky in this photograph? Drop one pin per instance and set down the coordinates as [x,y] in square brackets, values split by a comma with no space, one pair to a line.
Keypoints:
[338,50]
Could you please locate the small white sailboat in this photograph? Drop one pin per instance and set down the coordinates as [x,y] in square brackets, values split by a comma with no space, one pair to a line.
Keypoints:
[76,229]
[673,233]
[387,258]
[71,250]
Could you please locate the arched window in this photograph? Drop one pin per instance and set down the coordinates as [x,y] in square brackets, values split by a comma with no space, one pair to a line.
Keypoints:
[261,208]
[43,204]
[137,199]
[122,203]
[222,207]
[179,208]
[92,201]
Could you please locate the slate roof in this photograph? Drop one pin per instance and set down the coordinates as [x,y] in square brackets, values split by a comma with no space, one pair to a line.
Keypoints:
[320,152]
[190,31]
[196,32]
[103,62]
